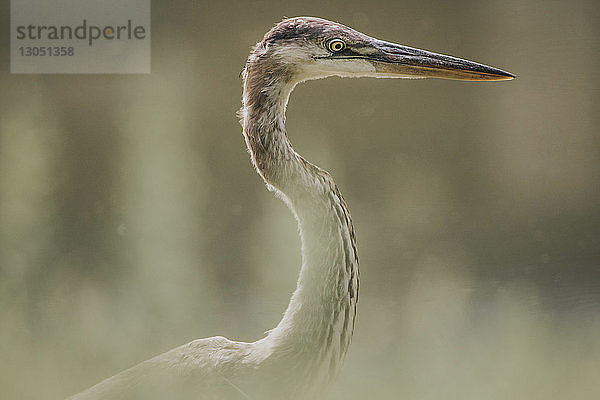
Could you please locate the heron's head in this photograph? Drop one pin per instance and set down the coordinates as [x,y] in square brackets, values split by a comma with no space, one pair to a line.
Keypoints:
[310,48]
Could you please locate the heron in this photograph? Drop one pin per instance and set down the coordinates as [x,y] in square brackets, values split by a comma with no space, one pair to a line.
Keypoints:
[306,349]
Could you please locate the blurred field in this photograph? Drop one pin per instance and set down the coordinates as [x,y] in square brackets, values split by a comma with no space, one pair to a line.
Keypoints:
[131,220]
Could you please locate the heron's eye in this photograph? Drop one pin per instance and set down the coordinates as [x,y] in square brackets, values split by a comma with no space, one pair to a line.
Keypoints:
[336,45]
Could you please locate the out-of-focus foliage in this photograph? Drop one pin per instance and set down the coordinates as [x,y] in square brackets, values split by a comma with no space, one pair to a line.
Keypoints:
[131,220]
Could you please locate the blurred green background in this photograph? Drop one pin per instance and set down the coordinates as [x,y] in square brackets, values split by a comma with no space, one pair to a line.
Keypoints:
[131,220]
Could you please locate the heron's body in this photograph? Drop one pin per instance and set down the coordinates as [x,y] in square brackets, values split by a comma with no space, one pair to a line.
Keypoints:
[306,349]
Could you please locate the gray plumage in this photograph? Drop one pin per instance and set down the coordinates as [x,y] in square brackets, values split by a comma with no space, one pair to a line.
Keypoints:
[306,349]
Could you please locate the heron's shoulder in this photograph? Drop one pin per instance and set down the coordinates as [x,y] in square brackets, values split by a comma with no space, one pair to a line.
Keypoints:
[212,354]
[216,343]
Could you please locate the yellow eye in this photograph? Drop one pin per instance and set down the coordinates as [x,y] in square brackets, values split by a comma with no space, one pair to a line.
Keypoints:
[336,45]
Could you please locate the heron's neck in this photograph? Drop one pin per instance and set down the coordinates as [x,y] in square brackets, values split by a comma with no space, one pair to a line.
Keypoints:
[318,323]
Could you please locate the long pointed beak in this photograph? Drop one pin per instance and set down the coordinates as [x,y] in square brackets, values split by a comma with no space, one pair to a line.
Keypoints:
[393,59]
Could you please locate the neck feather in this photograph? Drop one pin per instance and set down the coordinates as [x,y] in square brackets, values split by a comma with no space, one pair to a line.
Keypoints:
[317,326]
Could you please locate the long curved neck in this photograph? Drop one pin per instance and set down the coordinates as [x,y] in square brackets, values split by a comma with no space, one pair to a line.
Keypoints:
[318,323]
